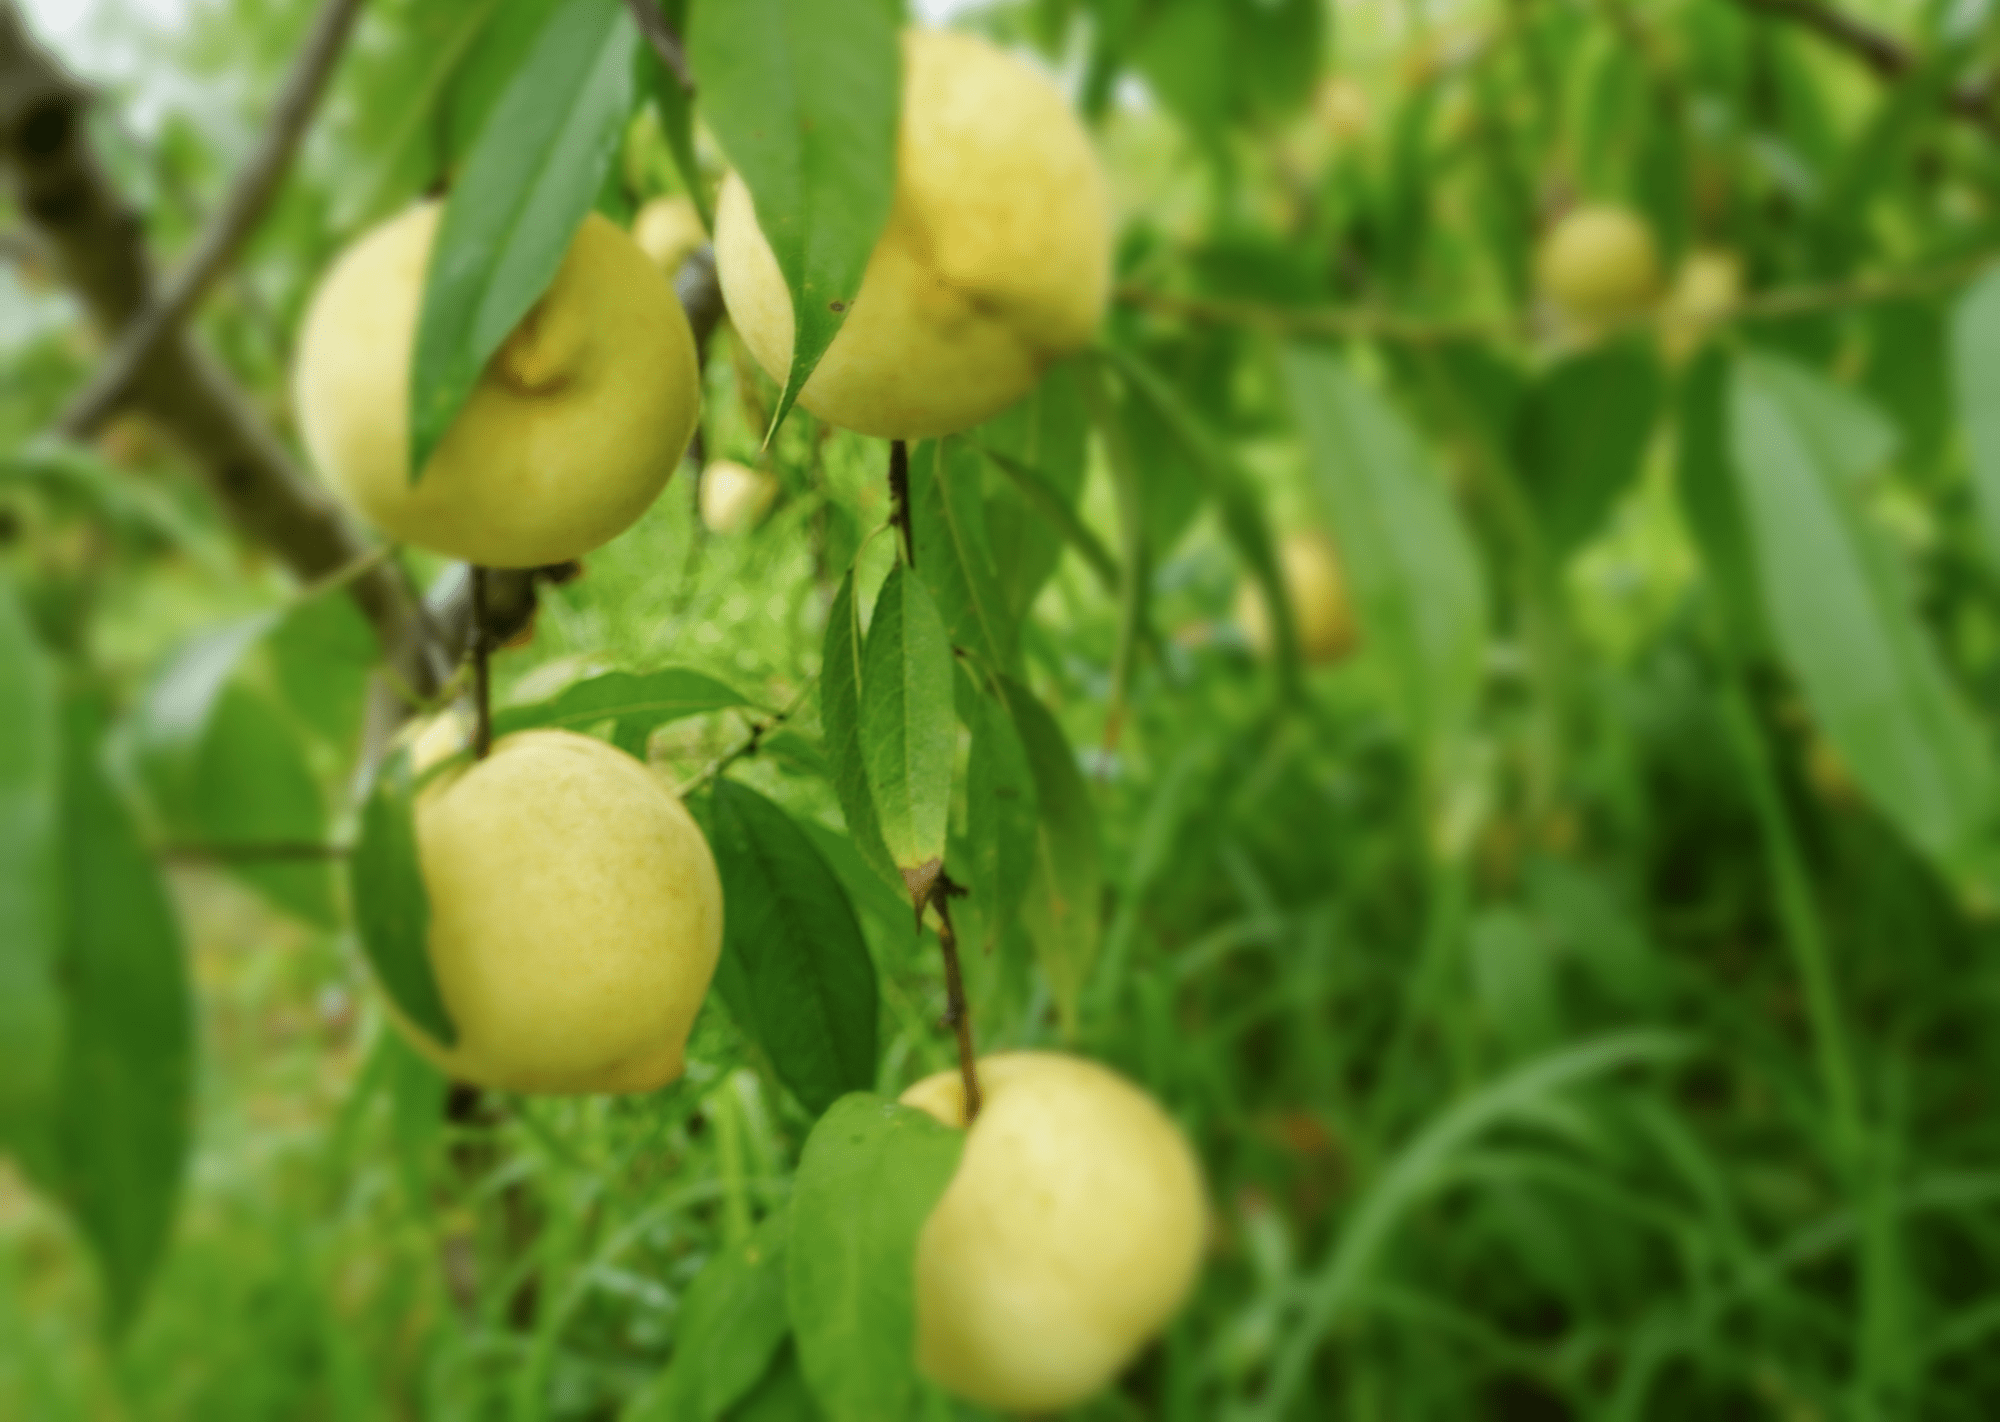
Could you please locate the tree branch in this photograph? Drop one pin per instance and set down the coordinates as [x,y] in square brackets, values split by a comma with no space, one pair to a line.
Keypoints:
[97,242]
[232,223]
[665,43]
[1883,53]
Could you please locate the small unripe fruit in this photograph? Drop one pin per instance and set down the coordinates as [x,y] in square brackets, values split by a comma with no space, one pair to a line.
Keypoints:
[1342,109]
[1599,264]
[996,260]
[1069,1236]
[1707,288]
[734,496]
[575,914]
[668,229]
[571,431]
[1310,569]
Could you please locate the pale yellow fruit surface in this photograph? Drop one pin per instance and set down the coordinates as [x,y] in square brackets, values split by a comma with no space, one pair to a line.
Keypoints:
[1707,287]
[574,427]
[1598,264]
[1070,1234]
[1310,569]
[575,915]
[734,496]
[996,260]
[667,230]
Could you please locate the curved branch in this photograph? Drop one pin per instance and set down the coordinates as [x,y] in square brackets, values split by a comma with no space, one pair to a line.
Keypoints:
[1883,53]
[232,223]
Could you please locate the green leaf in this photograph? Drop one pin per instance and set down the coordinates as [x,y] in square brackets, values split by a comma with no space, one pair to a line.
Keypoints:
[795,969]
[531,178]
[908,727]
[1975,350]
[1241,507]
[1039,445]
[803,96]
[31,1009]
[322,652]
[392,909]
[1065,885]
[782,1395]
[730,1326]
[948,530]
[1842,616]
[676,109]
[1136,584]
[840,718]
[1409,562]
[1583,431]
[1711,503]
[122,1122]
[1003,814]
[1039,495]
[871,1173]
[636,703]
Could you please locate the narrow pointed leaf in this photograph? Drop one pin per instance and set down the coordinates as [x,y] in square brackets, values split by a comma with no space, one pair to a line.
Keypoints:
[1040,497]
[31,1009]
[803,96]
[122,1122]
[908,725]
[1583,430]
[1065,882]
[392,910]
[1136,582]
[1712,503]
[1975,348]
[840,718]
[1842,616]
[795,969]
[636,703]
[729,1327]
[871,1173]
[1039,446]
[948,528]
[1411,566]
[1003,813]
[530,180]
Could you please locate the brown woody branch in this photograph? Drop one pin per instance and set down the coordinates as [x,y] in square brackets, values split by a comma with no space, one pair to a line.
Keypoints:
[1887,56]
[249,194]
[665,43]
[97,242]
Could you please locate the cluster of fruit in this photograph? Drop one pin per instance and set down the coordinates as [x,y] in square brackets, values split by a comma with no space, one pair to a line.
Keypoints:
[575,907]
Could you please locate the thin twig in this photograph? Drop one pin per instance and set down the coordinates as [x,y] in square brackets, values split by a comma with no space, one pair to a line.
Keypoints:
[665,43]
[899,499]
[1408,330]
[957,1015]
[226,232]
[749,745]
[482,673]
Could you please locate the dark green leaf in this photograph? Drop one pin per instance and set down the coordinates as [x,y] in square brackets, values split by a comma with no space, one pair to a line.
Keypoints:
[121,1128]
[840,716]
[635,702]
[907,724]
[31,1022]
[1003,813]
[392,910]
[1842,617]
[1711,503]
[1975,342]
[782,1395]
[803,96]
[1583,431]
[869,1177]
[948,530]
[730,1325]
[508,223]
[795,969]
[1061,907]
[1038,444]
[1415,579]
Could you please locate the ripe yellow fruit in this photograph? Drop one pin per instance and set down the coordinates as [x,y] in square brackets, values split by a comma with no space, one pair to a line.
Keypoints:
[575,915]
[734,496]
[1341,106]
[1599,264]
[667,230]
[1708,286]
[574,427]
[996,260]
[1310,568]
[1070,1234]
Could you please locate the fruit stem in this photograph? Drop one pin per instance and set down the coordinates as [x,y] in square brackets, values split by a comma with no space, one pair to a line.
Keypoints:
[482,676]
[899,499]
[956,1014]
